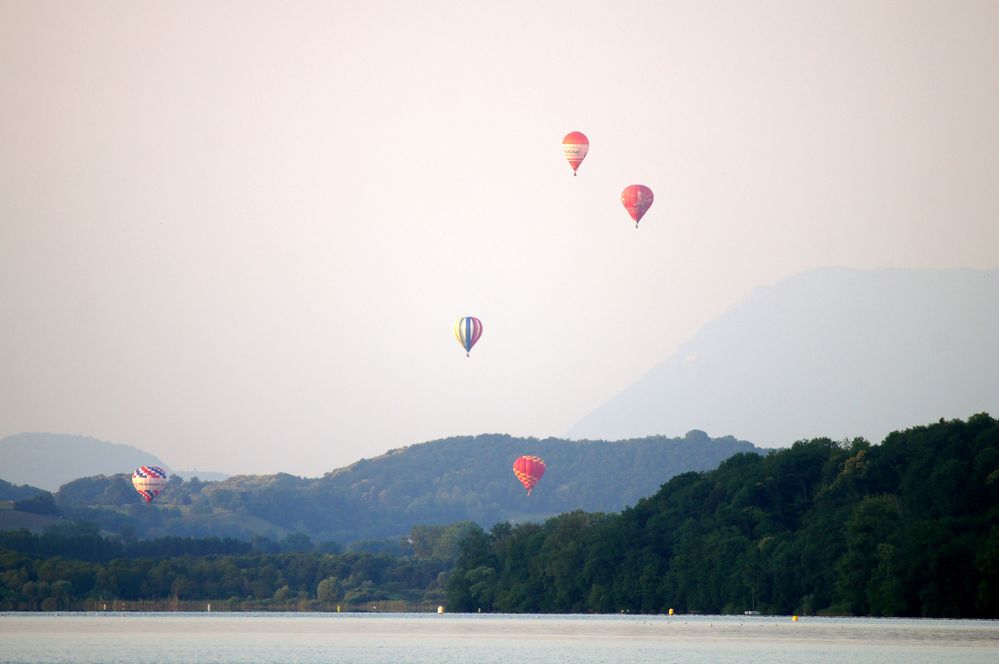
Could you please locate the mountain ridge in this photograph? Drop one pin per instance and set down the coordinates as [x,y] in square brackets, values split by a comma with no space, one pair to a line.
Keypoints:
[49,460]
[833,352]
[462,478]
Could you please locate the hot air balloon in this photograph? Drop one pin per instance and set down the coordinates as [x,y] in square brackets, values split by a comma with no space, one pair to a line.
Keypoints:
[574,147]
[467,330]
[149,481]
[529,469]
[637,199]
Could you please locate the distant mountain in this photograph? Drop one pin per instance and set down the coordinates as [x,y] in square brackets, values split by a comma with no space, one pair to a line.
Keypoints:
[830,352]
[49,460]
[435,483]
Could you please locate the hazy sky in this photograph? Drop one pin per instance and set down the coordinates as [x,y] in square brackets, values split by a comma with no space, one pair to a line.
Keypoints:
[237,234]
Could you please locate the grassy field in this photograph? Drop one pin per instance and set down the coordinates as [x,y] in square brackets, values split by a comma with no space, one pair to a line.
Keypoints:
[11,519]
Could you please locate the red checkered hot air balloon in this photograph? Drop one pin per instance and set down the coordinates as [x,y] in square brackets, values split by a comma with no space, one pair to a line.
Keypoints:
[149,481]
[529,469]
[637,199]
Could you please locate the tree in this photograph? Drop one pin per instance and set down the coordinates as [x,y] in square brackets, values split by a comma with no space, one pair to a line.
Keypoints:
[328,589]
[43,503]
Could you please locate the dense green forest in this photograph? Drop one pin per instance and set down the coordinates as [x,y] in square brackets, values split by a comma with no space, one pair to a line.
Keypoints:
[909,527]
[435,483]
[74,568]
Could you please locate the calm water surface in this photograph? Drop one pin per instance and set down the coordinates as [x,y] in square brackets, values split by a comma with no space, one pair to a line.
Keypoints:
[482,639]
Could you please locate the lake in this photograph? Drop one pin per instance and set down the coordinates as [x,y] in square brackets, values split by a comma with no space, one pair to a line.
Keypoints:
[366,638]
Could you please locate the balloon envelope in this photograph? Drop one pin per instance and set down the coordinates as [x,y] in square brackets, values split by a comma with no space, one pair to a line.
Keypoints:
[575,145]
[637,199]
[529,469]
[149,481]
[467,331]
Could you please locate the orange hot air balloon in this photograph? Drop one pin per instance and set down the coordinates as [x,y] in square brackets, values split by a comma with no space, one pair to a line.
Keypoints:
[575,146]
[637,199]
[529,469]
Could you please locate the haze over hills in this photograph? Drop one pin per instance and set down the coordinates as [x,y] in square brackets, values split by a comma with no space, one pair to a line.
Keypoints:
[904,528]
[49,460]
[467,478]
[831,352]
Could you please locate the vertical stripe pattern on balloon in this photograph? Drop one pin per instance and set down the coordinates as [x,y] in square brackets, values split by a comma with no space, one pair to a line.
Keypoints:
[467,331]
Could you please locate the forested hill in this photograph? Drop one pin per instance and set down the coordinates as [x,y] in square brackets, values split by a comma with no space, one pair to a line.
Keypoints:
[434,483]
[10,491]
[909,527]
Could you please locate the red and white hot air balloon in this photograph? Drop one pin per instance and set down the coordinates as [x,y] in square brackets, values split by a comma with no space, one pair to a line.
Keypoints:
[149,481]
[575,146]
[637,199]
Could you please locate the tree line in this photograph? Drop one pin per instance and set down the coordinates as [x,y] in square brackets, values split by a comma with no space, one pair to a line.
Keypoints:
[74,568]
[909,527]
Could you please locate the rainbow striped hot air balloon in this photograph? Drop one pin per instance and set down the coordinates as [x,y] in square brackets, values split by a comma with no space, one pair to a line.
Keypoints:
[467,330]
[149,481]
[529,469]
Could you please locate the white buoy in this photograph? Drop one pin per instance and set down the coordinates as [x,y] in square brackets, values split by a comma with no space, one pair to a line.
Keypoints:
[440,609]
